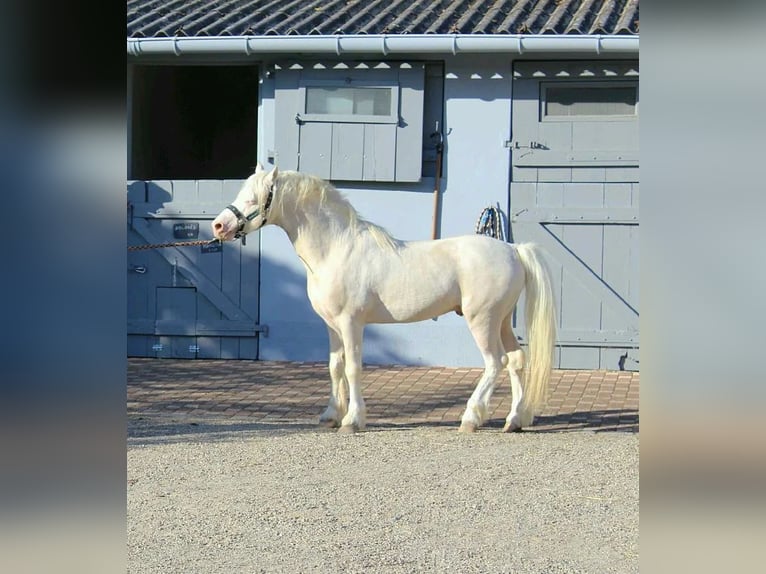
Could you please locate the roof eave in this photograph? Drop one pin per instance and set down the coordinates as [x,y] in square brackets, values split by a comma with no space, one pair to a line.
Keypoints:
[383,44]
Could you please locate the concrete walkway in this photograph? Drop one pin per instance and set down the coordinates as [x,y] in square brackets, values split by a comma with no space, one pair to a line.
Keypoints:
[268,391]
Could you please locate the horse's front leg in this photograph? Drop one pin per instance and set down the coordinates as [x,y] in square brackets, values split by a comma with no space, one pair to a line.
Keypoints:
[338,404]
[356,418]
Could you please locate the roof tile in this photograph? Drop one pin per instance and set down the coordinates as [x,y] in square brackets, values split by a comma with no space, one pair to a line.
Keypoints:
[157,18]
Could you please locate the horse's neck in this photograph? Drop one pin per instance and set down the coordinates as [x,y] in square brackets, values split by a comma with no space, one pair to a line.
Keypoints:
[315,234]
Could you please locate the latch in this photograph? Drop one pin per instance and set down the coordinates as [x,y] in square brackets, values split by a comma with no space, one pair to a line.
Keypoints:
[532,145]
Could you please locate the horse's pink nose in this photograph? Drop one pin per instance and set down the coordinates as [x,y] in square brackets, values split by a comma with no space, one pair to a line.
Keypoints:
[218,226]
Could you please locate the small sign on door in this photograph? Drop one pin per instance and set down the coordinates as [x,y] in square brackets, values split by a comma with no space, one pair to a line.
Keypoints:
[187,230]
[213,247]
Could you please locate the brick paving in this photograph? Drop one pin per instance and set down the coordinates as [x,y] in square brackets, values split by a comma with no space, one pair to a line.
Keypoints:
[269,391]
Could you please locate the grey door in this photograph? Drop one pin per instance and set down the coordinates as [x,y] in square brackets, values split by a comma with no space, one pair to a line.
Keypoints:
[196,301]
[574,190]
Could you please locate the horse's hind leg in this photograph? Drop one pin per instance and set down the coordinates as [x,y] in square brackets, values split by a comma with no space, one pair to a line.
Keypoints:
[486,333]
[517,418]
[336,408]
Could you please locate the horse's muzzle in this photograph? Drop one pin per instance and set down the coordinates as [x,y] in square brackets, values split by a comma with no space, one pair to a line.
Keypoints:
[224,230]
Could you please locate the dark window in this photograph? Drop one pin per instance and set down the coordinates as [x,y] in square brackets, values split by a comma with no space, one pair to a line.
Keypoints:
[589,100]
[194,122]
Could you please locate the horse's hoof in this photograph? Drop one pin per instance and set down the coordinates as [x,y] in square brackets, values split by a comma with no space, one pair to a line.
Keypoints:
[348,429]
[511,427]
[467,427]
[329,423]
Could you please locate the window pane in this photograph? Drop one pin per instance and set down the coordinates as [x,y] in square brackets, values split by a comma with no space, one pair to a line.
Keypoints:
[348,101]
[590,101]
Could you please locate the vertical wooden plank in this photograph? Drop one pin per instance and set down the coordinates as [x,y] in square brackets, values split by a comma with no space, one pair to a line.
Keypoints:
[347,152]
[523,195]
[379,152]
[185,191]
[221,347]
[634,283]
[210,191]
[286,105]
[316,149]
[550,195]
[584,195]
[141,288]
[231,277]
[249,298]
[580,308]
[616,269]
[138,283]
[557,357]
[580,358]
[617,195]
[409,148]
[231,270]
[137,191]
[209,347]
[159,191]
[138,346]
[525,128]
[177,304]
[230,348]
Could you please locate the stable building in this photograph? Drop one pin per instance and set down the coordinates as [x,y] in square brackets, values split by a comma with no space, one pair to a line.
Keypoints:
[527,107]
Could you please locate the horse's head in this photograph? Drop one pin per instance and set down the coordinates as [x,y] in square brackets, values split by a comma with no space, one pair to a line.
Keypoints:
[250,210]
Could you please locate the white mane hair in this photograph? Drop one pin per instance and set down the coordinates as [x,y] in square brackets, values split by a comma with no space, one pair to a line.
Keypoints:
[309,191]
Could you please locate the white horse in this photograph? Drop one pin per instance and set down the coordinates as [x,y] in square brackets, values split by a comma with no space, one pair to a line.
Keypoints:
[358,274]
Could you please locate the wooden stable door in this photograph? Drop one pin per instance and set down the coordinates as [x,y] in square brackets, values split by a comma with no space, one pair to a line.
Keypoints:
[189,302]
[574,190]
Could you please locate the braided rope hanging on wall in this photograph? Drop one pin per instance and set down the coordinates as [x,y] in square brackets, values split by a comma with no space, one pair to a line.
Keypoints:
[490,223]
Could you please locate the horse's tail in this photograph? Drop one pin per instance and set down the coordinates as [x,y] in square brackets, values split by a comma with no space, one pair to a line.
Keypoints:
[541,327]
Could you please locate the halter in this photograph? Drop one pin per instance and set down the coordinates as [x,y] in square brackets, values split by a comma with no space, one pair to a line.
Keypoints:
[243,219]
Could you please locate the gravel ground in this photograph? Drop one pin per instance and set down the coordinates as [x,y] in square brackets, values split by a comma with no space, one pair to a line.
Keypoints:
[221,496]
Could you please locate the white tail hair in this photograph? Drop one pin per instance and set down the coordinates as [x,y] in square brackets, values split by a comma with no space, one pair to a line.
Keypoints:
[540,312]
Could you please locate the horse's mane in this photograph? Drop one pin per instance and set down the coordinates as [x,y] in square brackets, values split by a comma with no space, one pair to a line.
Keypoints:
[308,191]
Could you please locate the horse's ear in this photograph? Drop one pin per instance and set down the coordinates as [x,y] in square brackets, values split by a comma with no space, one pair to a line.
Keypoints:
[273,175]
[258,168]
